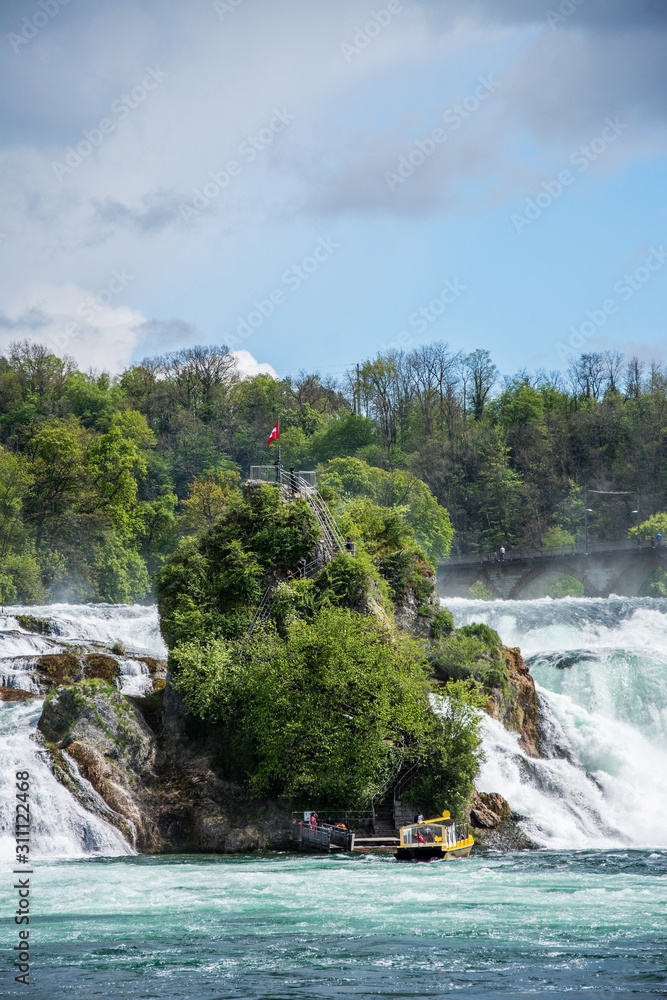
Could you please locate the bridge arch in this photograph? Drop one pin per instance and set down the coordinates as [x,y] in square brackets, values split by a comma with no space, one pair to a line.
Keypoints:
[632,576]
[535,583]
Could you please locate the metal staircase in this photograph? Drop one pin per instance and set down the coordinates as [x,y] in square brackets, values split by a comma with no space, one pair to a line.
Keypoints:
[331,540]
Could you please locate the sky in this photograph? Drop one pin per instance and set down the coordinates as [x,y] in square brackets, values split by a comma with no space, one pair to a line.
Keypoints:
[311,182]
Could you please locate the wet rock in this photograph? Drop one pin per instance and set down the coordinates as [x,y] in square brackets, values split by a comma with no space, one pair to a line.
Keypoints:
[518,709]
[15,694]
[94,712]
[30,623]
[508,836]
[100,665]
[58,668]
[489,810]
[146,766]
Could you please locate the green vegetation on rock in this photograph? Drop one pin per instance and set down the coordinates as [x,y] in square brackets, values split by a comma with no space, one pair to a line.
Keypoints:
[329,700]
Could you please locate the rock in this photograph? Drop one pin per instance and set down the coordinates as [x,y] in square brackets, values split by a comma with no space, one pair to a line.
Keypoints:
[108,781]
[506,837]
[489,810]
[101,666]
[144,765]
[518,711]
[15,694]
[30,623]
[94,712]
[484,818]
[495,826]
[495,803]
[58,668]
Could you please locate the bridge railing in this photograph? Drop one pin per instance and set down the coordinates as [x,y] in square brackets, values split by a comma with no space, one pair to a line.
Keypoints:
[546,552]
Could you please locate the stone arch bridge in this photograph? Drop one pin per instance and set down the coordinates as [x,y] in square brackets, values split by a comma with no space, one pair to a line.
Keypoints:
[609,569]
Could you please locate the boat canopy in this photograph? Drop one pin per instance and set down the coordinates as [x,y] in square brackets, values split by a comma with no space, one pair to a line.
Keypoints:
[422,834]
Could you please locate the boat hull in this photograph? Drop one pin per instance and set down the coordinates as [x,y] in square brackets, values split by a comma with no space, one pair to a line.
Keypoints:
[431,851]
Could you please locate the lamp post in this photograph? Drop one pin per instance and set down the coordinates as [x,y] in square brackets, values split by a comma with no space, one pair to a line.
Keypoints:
[587,510]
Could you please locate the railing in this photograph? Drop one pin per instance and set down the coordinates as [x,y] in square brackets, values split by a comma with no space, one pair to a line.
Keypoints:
[270,474]
[322,837]
[298,486]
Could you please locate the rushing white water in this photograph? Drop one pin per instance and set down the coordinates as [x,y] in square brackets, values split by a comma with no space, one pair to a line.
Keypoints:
[600,667]
[60,826]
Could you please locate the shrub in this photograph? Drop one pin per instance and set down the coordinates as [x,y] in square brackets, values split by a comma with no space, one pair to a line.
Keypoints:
[442,624]
[557,536]
[327,716]
[567,586]
[488,636]
[479,592]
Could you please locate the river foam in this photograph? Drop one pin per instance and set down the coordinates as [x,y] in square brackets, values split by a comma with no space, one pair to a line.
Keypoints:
[600,668]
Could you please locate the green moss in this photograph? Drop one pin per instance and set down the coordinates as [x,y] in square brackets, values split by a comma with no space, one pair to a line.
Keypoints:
[33,624]
[98,665]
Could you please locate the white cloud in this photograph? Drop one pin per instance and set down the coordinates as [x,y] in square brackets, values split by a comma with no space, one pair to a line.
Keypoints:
[72,321]
[249,366]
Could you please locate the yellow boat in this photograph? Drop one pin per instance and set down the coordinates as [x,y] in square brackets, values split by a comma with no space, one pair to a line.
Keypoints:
[434,838]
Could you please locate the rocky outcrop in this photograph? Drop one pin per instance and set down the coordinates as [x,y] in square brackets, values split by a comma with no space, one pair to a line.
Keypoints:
[102,738]
[137,763]
[495,826]
[517,706]
[15,694]
[489,810]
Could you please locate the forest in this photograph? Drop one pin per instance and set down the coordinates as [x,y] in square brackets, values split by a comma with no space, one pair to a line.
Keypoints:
[103,477]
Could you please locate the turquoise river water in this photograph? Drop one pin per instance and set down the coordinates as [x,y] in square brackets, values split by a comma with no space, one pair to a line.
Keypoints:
[586,914]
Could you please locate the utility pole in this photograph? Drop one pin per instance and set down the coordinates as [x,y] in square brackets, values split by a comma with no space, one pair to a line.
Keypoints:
[585,521]
[358,393]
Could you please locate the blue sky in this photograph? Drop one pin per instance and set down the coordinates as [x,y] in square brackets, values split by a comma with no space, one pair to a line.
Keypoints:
[108,253]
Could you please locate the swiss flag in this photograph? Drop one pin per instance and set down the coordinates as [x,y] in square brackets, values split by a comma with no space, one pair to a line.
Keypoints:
[275,433]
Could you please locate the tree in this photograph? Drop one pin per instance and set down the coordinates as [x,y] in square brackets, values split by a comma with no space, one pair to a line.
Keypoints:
[15,484]
[483,374]
[351,477]
[327,716]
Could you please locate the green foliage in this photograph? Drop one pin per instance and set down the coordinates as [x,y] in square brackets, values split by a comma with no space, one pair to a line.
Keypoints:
[24,572]
[567,586]
[327,716]
[473,653]
[88,457]
[651,526]
[478,591]
[655,584]
[212,584]
[399,489]
[7,590]
[557,536]
[121,574]
[451,752]
[442,624]
[343,436]
[346,582]
[485,633]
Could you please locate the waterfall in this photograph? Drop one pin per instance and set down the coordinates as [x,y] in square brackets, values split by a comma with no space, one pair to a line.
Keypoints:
[60,826]
[600,669]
